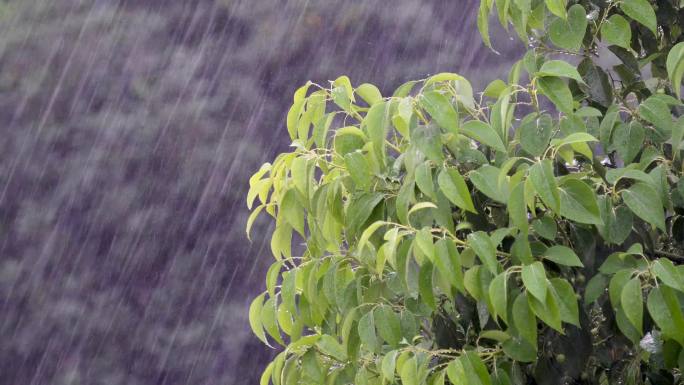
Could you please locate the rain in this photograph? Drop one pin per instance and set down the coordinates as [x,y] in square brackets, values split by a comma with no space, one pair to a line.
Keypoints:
[129,131]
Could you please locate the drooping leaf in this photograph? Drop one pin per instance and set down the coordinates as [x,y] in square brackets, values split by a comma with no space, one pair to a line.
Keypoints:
[558,92]
[535,132]
[544,182]
[616,31]
[559,68]
[483,246]
[675,67]
[483,133]
[632,303]
[563,256]
[534,279]
[578,202]
[568,33]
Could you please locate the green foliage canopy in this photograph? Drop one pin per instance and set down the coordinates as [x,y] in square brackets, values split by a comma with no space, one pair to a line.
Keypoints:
[533,233]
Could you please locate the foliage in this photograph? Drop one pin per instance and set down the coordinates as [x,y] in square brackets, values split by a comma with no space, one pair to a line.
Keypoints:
[533,233]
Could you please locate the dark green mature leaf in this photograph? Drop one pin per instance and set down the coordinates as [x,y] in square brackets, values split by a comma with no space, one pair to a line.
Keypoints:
[665,310]
[483,133]
[617,221]
[568,33]
[563,256]
[483,246]
[632,303]
[524,320]
[498,296]
[628,139]
[535,133]
[367,333]
[641,11]
[669,274]
[547,311]
[558,92]
[595,288]
[578,202]
[544,181]
[557,7]
[567,302]
[645,202]
[424,180]
[616,31]
[534,279]
[520,350]
[656,112]
[388,325]
[485,179]
[453,186]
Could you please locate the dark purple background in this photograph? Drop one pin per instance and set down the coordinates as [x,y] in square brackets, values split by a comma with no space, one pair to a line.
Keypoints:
[128,132]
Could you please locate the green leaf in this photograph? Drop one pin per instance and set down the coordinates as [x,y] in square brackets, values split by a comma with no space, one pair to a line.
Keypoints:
[544,182]
[473,365]
[498,295]
[409,372]
[517,210]
[483,22]
[563,256]
[632,302]
[455,189]
[485,249]
[441,110]
[547,311]
[483,133]
[616,31]
[425,285]
[255,318]
[558,92]
[567,302]
[576,137]
[557,7]
[535,132]
[578,202]
[628,139]
[424,180]
[641,11]
[388,366]
[376,124]
[595,288]
[534,279]
[568,33]
[668,316]
[675,67]
[657,112]
[524,320]
[668,273]
[545,227]
[369,93]
[456,373]
[388,325]
[330,346]
[269,320]
[520,350]
[559,68]
[645,202]
[367,334]
[358,168]
[486,179]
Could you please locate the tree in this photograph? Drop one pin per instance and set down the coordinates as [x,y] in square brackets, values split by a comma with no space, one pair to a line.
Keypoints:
[530,234]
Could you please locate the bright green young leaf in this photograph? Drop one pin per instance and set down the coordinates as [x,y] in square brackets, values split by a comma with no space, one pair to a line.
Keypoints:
[369,93]
[388,365]
[409,372]
[557,7]
[255,318]
[376,124]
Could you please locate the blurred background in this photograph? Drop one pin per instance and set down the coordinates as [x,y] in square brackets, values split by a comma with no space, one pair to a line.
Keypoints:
[128,130]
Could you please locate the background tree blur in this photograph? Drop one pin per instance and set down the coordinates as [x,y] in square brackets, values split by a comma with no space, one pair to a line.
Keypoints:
[128,131]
